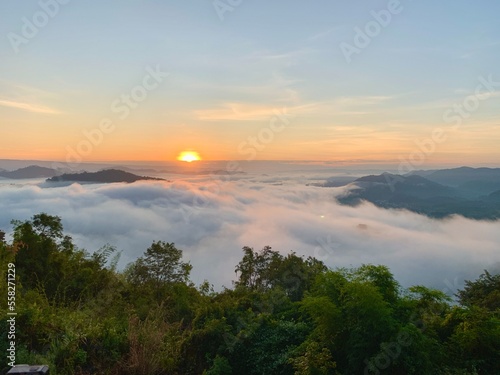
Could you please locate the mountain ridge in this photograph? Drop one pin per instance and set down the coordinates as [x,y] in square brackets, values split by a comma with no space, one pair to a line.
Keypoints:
[421,195]
[104,176]
[32,171]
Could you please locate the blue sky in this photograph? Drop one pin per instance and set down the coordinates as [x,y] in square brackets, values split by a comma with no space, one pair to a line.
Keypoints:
[228,77]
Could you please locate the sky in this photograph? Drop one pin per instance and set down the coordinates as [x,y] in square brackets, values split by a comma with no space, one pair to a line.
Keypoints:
[84,81]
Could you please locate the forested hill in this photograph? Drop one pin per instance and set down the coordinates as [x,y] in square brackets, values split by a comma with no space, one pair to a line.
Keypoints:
[33,171]
[474,199]
[104,176]
[285,314]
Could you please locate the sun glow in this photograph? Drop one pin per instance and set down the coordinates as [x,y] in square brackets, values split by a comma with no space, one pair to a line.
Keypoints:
[189,156]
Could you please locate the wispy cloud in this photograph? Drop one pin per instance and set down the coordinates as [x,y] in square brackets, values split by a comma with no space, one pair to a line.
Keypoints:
[246,112]
[271,55]
[351,105]
[487,95]
[325,33]
[456,96]
[355,105]
[361,100]
[29,107]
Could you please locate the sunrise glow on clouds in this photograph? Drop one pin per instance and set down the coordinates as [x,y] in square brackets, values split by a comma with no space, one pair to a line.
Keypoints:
[219,83]
[211,220]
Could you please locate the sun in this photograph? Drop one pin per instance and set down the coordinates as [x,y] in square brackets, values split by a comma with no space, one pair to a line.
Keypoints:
[189,156]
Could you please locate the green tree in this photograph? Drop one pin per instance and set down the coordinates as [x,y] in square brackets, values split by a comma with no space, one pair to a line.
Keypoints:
[220,366]
[483,292]
[36,244]
[382,278]
[161,277]
[351,316]
[268,346]
[160,265]
[48,226]
[254,269]
[267,269]
[48,260]
[314,360]
[475,340]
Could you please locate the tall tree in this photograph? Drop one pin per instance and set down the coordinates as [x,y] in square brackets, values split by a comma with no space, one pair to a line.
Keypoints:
[161,264]
[483,292]
[37,242]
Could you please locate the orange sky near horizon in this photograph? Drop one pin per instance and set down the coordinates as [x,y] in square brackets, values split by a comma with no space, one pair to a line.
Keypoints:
[343,144]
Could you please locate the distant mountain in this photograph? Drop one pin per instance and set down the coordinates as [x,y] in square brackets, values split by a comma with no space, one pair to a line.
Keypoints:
[33,171]
[414,186]
[472,181]
[105,176]
[336,181]
[421,195]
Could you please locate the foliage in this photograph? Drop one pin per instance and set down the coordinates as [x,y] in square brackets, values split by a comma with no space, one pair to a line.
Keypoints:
[285,315]
[160,264]
[484,292]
